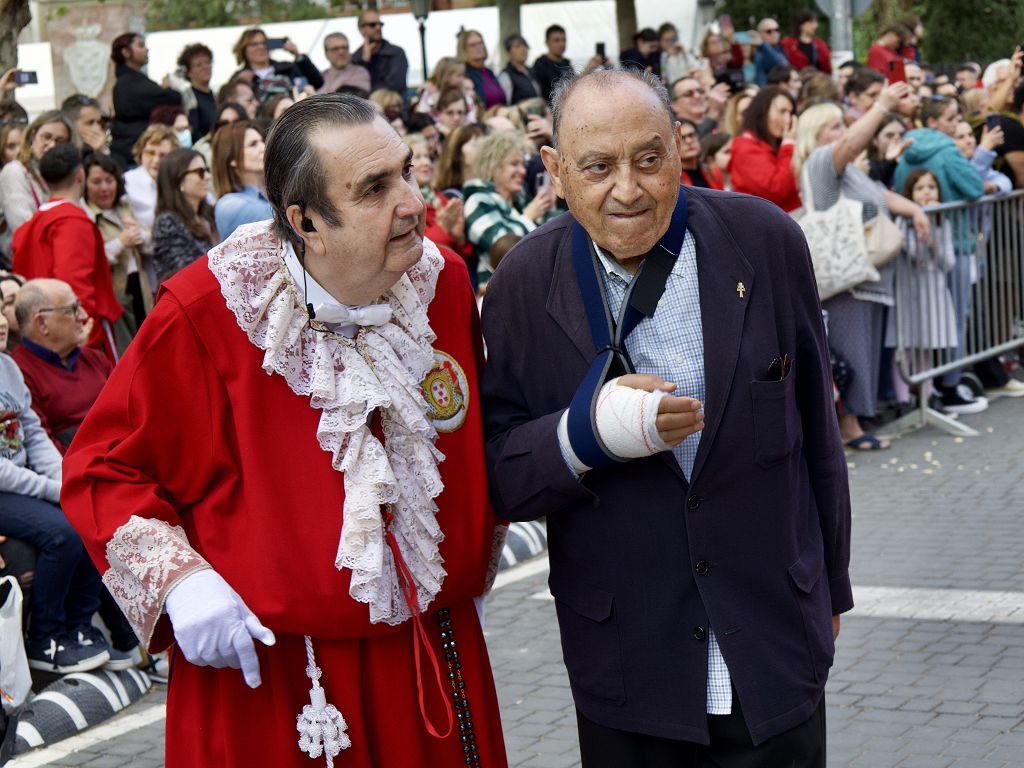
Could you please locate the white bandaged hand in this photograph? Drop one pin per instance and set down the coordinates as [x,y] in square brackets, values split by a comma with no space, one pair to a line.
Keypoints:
[627,423]
[627,420]
[214,627]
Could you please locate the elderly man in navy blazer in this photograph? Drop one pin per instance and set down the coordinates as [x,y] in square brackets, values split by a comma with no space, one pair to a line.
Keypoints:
[658,387]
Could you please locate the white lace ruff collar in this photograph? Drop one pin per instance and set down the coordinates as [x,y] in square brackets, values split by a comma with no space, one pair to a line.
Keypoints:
[346,379]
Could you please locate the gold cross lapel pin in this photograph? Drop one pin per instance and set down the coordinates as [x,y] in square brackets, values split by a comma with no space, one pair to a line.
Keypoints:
[741,290]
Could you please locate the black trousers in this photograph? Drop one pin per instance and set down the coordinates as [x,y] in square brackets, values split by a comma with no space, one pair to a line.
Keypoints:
[800,747]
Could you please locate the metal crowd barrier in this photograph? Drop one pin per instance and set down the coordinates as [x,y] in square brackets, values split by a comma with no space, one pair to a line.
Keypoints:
[959,301]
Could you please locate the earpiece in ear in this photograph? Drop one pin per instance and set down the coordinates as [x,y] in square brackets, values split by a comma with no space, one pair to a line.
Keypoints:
[307,224]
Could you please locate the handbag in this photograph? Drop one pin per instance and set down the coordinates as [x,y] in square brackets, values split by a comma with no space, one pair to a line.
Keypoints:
[15,679]
[835,239]
[883,239]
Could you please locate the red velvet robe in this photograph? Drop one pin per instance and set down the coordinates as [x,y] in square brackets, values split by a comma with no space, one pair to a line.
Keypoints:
[191,431]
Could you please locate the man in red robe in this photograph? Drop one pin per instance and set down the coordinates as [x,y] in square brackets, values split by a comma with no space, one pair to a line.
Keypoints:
[61,241]
[313,372]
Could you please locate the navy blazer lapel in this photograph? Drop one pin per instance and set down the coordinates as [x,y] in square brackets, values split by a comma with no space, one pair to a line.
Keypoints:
[565,304]
[726,280]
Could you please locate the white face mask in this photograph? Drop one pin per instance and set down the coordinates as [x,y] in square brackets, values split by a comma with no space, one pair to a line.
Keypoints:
[184,138]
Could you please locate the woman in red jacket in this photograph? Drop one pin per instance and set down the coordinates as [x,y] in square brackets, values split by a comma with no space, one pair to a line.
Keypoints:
[806,49]
[762,155]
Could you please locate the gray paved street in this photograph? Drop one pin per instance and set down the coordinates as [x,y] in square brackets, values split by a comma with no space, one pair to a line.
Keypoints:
[930,666]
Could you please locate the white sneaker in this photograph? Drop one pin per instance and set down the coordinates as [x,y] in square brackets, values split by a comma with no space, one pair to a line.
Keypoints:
[1012,388]
[961,400]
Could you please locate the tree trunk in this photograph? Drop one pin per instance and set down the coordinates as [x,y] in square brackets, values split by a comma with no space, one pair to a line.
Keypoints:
[625,20]
[508,24]
[14,17]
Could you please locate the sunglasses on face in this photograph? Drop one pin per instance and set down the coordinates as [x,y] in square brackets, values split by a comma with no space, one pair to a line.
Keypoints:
[202,173]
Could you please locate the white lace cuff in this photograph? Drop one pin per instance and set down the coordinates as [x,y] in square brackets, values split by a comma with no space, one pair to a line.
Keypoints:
[497,547]
[147,557]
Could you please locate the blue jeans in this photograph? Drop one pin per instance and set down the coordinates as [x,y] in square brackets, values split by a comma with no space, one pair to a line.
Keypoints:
[66,588]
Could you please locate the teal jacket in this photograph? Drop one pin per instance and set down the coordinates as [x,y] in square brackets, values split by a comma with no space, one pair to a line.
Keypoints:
[958,178]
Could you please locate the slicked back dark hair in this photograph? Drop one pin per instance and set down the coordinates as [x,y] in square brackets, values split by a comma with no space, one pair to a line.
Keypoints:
[293,169]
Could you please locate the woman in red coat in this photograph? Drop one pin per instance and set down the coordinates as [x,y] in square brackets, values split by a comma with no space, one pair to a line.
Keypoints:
[762,155]
[806,49]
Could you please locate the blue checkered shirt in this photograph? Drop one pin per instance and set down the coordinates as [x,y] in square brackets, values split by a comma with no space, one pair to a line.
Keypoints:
[671,345]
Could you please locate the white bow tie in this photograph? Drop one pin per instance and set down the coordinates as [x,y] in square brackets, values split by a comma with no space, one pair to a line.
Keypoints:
[334,313]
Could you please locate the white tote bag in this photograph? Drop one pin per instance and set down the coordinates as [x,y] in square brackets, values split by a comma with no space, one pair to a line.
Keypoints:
[15,679]
[835,238]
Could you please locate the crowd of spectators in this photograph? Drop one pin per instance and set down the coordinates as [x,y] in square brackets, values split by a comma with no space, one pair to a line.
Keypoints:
[99,209]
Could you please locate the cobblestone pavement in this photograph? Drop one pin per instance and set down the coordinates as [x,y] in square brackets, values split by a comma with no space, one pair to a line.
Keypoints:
[930,666]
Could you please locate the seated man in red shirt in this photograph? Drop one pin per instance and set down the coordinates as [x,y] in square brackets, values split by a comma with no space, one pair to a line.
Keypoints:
[61,241]
[64,377]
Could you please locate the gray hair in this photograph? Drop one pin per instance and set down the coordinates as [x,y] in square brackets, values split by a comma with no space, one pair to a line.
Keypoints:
[293,169]
[30,299]
[604,76]
[73,105]
[342,35]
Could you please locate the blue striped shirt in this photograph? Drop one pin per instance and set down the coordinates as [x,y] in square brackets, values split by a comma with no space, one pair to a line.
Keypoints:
[671,345]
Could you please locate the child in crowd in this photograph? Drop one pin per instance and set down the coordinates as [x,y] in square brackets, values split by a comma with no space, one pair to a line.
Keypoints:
[983,154]
[924,310]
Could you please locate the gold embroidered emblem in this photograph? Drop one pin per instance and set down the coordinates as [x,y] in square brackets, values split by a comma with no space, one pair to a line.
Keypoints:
[446,392]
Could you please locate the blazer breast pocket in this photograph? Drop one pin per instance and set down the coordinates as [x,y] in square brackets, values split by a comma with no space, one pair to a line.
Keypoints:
[777,426]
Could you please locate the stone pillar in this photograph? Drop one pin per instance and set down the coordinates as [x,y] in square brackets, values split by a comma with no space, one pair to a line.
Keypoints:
[80,33]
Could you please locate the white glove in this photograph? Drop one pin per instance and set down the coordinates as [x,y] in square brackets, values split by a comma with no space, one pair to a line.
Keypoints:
[213,627]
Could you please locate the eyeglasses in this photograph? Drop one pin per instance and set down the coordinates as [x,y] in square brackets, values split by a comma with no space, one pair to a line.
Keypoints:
[202,173]
[337,49]
[691,93]
[372,24]
[689,137]
[71,309]
[260,44]
[771,31]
